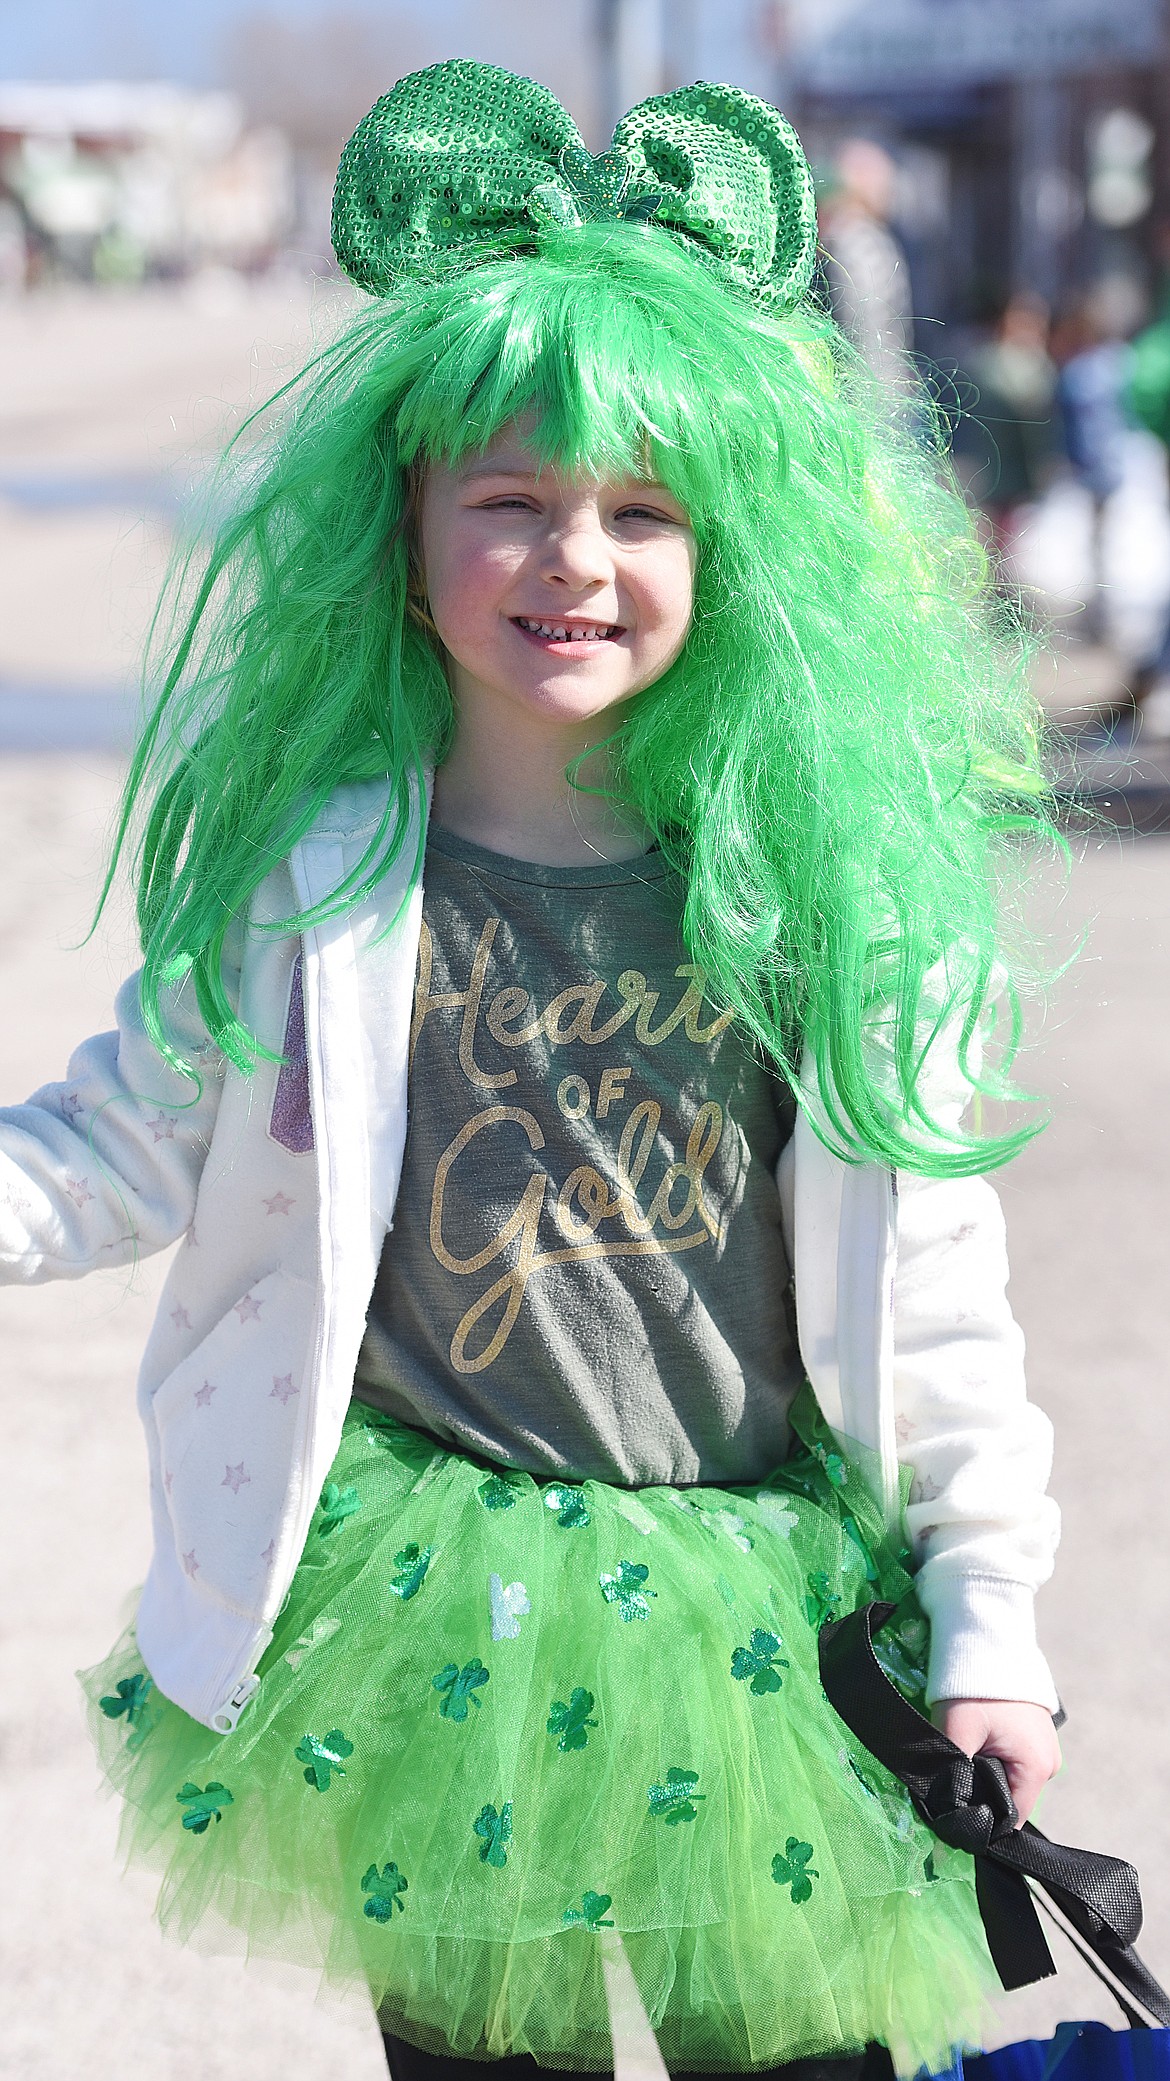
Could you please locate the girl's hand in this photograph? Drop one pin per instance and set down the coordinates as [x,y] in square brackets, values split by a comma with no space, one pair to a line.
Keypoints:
[1021,1735]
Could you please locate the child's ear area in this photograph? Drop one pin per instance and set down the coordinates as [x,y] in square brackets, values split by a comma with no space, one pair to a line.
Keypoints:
[418,605]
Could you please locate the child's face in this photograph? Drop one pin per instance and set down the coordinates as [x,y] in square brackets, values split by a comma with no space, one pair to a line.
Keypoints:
[556,599]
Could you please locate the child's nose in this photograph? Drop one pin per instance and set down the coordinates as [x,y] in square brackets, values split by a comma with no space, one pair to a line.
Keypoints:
[578,551]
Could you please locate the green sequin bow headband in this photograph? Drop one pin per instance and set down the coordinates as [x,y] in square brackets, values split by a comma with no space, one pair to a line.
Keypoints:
[464,161]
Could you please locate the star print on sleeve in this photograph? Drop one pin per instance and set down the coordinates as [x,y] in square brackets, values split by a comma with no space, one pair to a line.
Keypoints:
[191,1564]
[71,1106]
[180,1318]
[925,1490]
[282,1389]
[269,1554]
[203,1394]
[248,1309]
[162,1128]
[78,1190]
[279,1203]
[235,1478]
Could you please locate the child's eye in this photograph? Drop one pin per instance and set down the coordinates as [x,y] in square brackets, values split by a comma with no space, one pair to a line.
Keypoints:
[652,513]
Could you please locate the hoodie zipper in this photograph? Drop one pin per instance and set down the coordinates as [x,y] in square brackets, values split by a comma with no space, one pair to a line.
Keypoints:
[245,1685]
[226,1716]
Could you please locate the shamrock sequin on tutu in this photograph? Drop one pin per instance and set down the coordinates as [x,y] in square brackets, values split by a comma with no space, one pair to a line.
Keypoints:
[501,1719]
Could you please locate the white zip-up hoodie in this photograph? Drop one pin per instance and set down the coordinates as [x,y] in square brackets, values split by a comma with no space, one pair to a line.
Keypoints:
[283,1184]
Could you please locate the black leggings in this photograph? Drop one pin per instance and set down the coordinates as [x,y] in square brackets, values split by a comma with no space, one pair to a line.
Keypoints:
[408,2064]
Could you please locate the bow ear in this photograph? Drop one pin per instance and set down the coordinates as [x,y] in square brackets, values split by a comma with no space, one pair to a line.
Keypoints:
[445,162]
[464,161]
[731,174]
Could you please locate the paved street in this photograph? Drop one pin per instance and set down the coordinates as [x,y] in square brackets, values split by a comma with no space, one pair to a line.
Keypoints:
[89,1985]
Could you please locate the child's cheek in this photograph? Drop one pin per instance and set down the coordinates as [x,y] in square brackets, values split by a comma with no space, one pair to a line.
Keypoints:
[667,598]
[468,597]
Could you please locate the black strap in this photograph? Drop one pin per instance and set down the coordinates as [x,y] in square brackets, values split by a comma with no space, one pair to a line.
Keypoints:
[1132,2017]
[966,1800]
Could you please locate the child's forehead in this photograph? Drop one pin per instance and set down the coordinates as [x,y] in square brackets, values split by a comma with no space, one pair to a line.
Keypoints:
[517,452]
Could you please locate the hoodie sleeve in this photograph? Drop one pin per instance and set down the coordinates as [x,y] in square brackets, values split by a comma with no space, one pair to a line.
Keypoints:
[981,1527]
[104,1167]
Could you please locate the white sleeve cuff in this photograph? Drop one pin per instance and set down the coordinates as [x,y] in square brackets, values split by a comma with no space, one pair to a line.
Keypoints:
[983,1640]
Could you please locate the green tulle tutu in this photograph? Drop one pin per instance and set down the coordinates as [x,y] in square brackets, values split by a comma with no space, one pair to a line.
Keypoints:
[502,1719]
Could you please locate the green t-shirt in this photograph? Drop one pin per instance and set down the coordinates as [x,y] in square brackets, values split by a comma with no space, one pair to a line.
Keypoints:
[586,1274]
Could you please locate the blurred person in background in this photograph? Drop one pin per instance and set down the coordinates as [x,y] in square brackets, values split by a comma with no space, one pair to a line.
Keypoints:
[13,249]
[1008,442]
[1093,346]
[866,270]
[1147,397]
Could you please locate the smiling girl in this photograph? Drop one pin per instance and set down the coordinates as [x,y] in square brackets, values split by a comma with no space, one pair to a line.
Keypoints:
[567,871]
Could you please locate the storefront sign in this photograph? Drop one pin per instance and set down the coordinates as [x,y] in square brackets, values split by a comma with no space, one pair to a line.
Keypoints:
[850,46]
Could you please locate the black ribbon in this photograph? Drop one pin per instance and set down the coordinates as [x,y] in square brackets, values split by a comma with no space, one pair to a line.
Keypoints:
[967,1802]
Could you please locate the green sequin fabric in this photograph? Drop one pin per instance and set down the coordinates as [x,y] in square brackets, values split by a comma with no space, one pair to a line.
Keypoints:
[589,1712]
[465,162]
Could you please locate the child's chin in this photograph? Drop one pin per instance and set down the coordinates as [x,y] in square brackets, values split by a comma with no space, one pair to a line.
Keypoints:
[575,698]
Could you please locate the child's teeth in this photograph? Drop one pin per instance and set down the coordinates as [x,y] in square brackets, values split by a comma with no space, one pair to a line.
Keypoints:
[558,633]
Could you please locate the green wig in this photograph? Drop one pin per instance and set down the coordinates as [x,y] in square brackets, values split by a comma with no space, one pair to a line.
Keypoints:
[837,763]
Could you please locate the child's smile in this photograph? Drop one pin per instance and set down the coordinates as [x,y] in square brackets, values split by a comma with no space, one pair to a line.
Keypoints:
[556,634]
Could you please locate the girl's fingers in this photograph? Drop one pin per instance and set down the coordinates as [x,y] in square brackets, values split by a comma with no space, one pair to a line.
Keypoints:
[1019,1734]
[1026,1782]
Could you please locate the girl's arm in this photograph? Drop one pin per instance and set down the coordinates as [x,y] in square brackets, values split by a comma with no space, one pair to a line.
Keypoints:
[104,1167]
[982,1529]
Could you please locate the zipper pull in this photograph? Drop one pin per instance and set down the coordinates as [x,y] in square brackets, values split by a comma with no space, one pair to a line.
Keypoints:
[226,1717]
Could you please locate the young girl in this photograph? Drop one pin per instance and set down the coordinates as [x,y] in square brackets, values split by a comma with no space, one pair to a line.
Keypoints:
[567,890]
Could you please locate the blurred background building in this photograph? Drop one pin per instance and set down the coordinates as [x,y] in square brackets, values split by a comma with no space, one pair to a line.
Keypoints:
[1030,138]
[116,181]
[1029,134]
[994,179]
